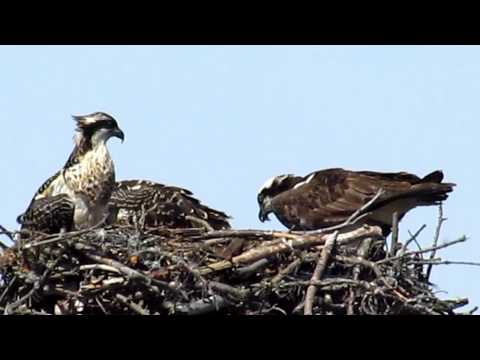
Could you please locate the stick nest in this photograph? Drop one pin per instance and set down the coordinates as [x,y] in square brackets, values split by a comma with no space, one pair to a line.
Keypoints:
[132,270]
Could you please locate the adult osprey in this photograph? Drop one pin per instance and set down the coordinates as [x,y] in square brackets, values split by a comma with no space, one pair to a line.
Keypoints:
[329,197]
[161,205]
[76,196]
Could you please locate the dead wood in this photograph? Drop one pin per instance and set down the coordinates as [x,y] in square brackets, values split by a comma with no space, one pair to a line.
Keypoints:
[160,271]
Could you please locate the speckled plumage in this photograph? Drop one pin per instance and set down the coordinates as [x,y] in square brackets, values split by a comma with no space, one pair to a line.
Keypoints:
[86,181]
[162,205]
[49,214]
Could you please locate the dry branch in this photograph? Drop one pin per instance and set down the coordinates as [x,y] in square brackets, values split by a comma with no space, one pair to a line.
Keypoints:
[318,272]
[140,270]
[441,219]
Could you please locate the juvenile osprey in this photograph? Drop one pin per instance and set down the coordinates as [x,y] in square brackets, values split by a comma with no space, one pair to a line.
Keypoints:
[161,205]
[77,195]
[329,197]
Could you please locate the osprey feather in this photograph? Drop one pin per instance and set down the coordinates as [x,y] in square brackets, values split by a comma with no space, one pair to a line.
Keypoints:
[329,197]
[77,196]
[161,205]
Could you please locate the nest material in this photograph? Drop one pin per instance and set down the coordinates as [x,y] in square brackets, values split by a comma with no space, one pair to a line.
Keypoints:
[127,270]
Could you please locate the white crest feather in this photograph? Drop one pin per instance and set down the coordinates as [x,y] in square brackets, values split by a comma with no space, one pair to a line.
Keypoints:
[87,120]
[304,182]
[273,180]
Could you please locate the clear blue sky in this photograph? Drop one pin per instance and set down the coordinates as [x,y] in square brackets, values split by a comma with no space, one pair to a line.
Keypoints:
[220,120]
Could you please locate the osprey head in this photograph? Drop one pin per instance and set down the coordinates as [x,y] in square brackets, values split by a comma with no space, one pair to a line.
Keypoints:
[98,127]
[271,188]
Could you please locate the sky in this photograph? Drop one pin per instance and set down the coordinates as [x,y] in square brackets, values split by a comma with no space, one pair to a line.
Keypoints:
[220,120]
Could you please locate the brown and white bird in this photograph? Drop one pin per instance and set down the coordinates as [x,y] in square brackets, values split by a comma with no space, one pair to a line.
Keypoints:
[329,197]
[161,206]
[77,196]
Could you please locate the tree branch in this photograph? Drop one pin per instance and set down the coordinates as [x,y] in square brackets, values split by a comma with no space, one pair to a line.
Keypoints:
[318,272]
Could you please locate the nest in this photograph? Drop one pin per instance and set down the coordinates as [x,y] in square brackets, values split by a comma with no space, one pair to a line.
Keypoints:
[134,270]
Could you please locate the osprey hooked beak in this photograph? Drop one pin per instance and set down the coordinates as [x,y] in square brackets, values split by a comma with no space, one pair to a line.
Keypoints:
[117,132]
[265,209]
[263,216]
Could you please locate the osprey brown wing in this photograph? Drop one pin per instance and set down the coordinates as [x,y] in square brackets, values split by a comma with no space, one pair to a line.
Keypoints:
[162,205]
[322,199]
[48,215]
[326,198]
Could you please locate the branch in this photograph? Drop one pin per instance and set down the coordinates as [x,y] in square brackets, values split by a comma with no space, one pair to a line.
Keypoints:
[201,307]
[36,286]
[248,270]
[413,238]
[249,234]
[318,272]
[9,234]
[330,282]
[447,244]
[135,307]
[240,294]
[205,224]
[393,244]
[362,253]
[287,270]
[446,262]
[7,289]
[61,237]
[134,274]
[441,219]
[308,240]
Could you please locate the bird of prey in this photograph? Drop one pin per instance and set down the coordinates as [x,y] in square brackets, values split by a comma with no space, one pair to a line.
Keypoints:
[161,206]
[76,196]
[329,197]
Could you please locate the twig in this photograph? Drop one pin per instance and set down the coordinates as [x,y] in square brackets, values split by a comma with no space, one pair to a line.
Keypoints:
[318,272]
[248,270]
[249,234]
[287,270]
[447,244]
[61,237]
[3,246]
[201,222]
[329,282]
[203,306]
[412,238]
[359,261]
[194,272]
[36,286]
[7,289]
[100,305]
[393,244]
[261,252]
[8,233]
[134,274]
[135,307]
[441,219]
[446,262]
[473,310]
[217,241]
[240,294]
[362,253]
[99,267]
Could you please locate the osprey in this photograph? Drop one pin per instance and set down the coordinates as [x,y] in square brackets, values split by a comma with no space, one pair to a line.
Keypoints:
[76,196]
[161,205]
[329,197]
